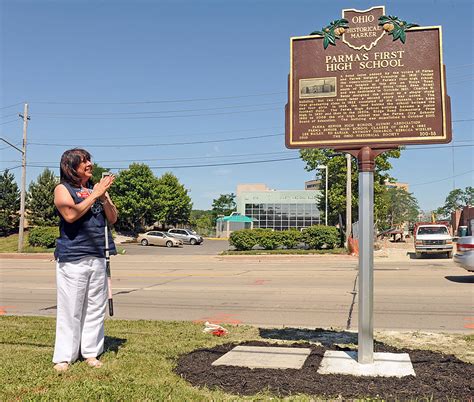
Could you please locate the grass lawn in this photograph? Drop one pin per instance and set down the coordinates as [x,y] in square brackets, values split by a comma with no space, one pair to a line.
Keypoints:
[139,360]
[138,363]
[9,244]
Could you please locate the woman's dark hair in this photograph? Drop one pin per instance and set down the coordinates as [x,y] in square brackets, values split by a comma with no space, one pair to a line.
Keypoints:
[70,160]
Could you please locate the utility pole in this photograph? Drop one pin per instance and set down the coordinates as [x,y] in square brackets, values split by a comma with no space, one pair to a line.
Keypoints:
[348,199]
[23,179]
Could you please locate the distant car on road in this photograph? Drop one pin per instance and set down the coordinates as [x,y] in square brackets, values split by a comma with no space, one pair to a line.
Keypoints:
[159,239]
[186,236]
[464,256]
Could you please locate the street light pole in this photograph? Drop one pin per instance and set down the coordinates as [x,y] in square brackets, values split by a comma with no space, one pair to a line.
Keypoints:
[348,199]
[325,167]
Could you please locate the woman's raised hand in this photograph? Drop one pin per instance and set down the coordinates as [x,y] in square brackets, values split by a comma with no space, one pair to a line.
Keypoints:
[103,185]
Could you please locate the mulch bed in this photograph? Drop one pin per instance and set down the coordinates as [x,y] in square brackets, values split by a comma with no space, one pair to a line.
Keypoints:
[438,376]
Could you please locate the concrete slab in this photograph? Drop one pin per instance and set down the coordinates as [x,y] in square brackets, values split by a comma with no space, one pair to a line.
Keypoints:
[264,357]
[384,365]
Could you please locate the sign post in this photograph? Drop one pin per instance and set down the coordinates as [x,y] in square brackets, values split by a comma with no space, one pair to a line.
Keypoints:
[366,259]
[365,84]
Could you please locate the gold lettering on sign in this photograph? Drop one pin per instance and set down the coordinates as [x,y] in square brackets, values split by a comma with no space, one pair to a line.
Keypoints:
[365,61]
[373,104]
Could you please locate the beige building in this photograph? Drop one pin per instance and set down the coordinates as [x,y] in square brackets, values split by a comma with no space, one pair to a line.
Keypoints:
[251,187]
[312,185]
[403,186]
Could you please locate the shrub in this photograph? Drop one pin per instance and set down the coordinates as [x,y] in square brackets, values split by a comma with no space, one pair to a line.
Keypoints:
[43,236]
[319,237]
[267,238]
[243,239]
[290,238]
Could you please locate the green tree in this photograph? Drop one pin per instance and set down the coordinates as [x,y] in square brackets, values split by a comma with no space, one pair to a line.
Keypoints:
[402,207]
[40,200]
[174,203]
[202,221]
[135,193]
[224,205]
[337,174]
[97,171]
[456,199]
[9,203]
[468,196]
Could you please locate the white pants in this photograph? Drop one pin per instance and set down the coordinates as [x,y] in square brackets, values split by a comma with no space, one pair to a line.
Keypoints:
[82,297]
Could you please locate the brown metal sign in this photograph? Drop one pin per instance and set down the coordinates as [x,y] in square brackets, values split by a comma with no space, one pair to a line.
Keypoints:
[367,80]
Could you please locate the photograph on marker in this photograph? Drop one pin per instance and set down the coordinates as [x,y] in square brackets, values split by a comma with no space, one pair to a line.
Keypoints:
[318,87]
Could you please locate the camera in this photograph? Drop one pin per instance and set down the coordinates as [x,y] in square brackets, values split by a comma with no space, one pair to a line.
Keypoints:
[104,174]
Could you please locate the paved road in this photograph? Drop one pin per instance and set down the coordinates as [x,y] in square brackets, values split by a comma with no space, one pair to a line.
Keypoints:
[208,247]
[299,291]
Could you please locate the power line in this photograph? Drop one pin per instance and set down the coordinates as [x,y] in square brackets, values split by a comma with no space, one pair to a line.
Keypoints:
[446,178]
[158,144]
[192,166]
[155,112]
[215,132]
[175,158]
[7,122]
[229,164]
[191,134]
[207,142]
[16,104]
[11,168]
[438,147]
[158,117]
[455,67]
[159,101]
[462,76]
[459,82]
[9,115]
[232,155]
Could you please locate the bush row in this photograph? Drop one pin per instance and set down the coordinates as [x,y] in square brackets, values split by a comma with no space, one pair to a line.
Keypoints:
[43,236]
[315,237]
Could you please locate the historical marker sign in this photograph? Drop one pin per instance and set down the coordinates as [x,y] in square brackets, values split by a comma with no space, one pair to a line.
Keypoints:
[367,80]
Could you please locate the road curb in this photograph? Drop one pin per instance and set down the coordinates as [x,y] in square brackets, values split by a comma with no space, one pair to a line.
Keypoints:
[27,256]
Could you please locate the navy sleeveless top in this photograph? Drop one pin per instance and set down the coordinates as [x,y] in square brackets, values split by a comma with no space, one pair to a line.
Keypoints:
[86,236]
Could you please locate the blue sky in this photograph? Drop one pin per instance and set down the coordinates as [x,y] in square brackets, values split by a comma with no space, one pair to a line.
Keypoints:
[119,77]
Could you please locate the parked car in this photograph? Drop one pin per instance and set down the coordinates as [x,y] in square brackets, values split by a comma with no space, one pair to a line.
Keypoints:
[159,239]
[464,256]
[186,235]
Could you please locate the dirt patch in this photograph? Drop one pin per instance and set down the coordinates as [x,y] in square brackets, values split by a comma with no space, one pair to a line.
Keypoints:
[438,376]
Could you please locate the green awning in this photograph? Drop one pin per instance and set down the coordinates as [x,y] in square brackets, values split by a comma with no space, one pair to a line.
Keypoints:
[235,218]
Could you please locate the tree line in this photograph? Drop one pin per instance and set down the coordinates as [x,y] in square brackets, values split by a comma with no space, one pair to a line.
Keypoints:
[142,200]
[393,206]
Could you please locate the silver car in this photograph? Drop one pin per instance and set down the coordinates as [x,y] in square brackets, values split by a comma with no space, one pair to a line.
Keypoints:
[464,256]
[158,239]
[186,236]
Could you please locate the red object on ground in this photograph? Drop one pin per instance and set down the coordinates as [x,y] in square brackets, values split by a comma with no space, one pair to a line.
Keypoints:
[219,332]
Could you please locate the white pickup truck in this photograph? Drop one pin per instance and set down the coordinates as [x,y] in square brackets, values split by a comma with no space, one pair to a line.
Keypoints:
[433,238]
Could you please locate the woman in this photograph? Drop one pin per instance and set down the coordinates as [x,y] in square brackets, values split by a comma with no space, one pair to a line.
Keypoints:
[80,255]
